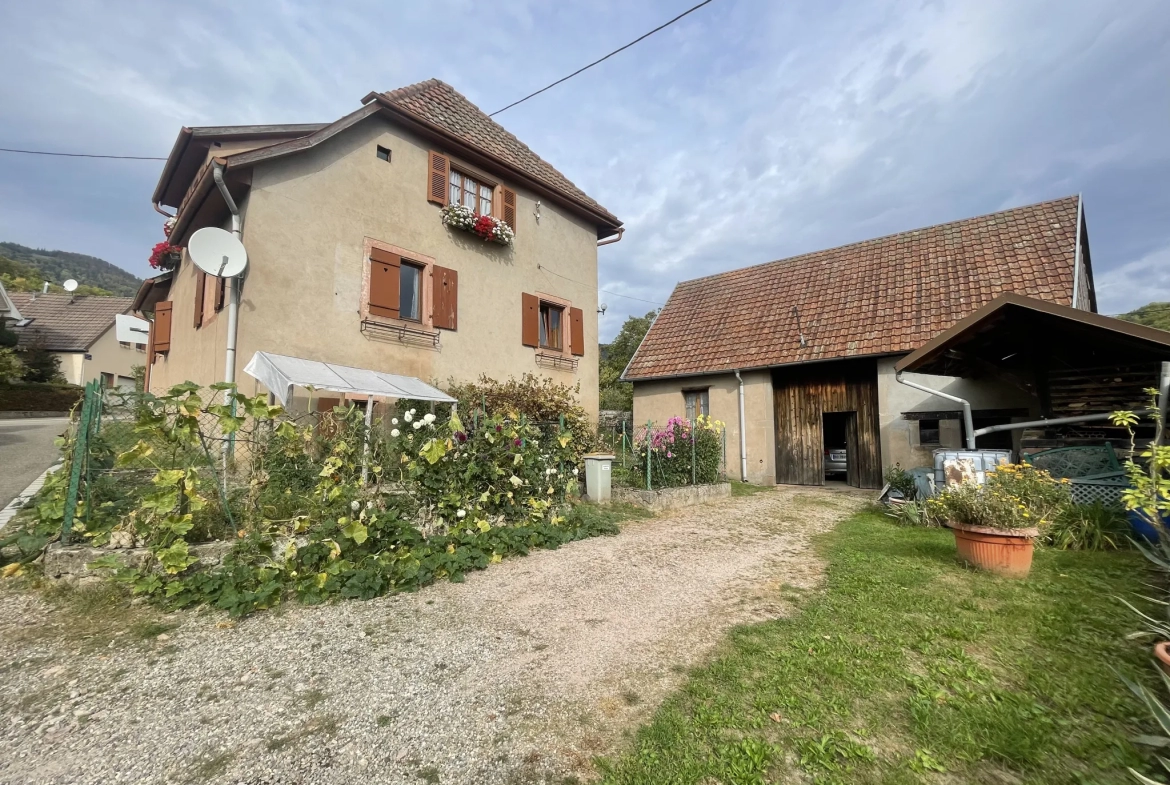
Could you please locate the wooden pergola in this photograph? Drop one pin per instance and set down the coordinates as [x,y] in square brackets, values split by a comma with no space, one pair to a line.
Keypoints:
[1075,363]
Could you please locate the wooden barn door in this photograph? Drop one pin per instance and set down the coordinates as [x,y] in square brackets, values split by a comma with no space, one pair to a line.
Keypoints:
[803,395]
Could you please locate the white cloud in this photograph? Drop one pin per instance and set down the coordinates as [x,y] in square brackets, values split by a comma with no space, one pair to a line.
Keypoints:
[1132,285]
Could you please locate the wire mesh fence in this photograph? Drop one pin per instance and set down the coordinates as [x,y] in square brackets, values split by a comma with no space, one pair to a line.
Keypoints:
[675,453]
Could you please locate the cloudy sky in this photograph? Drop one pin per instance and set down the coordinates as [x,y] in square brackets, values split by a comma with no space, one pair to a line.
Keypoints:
[749,131]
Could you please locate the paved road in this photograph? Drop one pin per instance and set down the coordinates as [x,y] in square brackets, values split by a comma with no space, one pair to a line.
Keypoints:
[26,450]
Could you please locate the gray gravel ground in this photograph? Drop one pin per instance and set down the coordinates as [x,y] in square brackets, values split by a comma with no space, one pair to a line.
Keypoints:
[523,674]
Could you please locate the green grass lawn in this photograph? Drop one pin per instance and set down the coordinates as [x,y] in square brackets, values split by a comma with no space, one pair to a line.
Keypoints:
[908,667]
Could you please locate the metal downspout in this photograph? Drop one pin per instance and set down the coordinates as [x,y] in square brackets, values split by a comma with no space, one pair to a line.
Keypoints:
[1077,254]
[742,433]
[968,421]
[229,374]
[233,307]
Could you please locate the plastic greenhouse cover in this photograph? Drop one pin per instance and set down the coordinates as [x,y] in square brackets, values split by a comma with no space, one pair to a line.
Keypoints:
[280,374]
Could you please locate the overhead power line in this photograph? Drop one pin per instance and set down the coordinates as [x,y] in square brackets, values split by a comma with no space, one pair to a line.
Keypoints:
[542,268]
[603,59]
[83,155]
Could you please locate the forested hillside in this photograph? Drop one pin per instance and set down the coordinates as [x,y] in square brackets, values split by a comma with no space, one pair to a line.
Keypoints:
[24,269]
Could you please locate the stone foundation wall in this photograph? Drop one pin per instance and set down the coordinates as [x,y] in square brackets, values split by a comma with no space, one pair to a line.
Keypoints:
[672,498]
[71,562]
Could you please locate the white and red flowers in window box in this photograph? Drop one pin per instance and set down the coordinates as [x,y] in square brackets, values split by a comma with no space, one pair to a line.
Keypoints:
[165,256]
[488,227]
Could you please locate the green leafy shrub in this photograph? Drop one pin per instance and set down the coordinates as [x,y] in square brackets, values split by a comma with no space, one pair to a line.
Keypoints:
[538,399]
[1087,527]
[34,397]
[669,451]
[901,481]
[1014,496]
[324,508]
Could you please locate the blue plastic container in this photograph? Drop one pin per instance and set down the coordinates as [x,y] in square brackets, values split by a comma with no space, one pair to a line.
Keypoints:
[1142,528]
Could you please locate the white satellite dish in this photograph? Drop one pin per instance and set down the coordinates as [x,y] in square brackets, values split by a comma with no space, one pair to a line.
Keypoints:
[70,285]
[217,252]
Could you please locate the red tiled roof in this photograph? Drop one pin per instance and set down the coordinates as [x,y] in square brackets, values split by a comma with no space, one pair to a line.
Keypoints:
[880,296]
[438,103]
[67,324]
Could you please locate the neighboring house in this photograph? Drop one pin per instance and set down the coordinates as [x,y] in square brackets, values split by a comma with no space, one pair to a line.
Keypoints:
[80,331]
[9,314]
[350,262]
[815,339]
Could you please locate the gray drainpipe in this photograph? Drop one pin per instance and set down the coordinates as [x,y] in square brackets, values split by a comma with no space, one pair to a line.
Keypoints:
[742,433]
[968,422]
[229,374]
[1077,255]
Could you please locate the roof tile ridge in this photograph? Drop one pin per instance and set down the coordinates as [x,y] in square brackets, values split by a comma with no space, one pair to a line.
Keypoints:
[486,116]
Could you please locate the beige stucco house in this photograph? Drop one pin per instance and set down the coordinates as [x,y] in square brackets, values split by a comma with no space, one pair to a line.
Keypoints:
[350,261]
[809,344]
[79,331]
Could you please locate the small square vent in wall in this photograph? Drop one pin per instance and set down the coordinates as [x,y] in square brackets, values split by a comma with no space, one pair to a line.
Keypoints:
[384,153]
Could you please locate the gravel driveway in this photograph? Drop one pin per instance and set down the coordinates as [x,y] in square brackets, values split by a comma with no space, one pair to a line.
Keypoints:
[520,675]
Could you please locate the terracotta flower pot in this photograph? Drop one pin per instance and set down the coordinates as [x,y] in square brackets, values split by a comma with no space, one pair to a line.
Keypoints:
[1162,652]
[1002,551]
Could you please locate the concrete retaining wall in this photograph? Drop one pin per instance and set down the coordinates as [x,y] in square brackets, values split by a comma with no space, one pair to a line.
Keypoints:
[672,498]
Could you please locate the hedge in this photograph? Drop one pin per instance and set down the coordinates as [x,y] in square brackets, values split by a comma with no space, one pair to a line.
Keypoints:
[30,397]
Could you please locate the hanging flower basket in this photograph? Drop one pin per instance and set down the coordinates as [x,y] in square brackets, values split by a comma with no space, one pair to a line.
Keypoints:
[489,228]
[164,256]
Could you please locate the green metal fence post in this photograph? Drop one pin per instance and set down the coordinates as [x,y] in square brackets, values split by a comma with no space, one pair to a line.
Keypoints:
[693,474]
[80,449]
[623,442]
[649,427]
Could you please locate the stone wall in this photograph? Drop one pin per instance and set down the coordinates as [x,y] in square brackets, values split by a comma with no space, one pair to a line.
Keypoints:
[672,498]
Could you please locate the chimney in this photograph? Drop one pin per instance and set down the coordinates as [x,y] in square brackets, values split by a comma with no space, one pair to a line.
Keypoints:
[45,288]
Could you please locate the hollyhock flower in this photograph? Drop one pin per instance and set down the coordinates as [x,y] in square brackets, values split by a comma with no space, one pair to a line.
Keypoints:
[516,442]
[460,436]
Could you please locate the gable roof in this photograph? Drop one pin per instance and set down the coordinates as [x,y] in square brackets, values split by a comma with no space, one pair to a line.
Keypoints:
[8,309]
[432,107]
[882,296]
[67,324]
[441,105]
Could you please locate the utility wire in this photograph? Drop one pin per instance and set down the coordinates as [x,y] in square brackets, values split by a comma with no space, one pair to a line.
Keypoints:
[603,59]
[588,286]
[83,155]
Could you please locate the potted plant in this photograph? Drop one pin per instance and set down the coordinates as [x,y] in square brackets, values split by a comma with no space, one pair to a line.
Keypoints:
[996,523]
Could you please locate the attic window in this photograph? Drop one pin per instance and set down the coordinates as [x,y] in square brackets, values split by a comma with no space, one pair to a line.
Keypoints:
[384,153]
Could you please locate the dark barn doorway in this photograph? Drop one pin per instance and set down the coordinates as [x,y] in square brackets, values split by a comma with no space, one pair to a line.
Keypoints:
[827,403]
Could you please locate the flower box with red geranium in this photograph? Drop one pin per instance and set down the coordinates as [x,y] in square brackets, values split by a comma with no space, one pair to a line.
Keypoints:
[487,227]
[164,256]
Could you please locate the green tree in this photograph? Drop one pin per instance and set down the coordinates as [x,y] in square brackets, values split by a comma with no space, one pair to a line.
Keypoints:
[1150,315]
[40,365]
[615,356]
[10,365]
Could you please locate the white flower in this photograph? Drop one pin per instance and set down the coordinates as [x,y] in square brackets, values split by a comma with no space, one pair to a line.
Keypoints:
[395,433]
[418,425]
[393,420]
[412,411]
[576,470]
[369,505]
[409,415]
[355,506]
[552,471]
[461,514]
[547,472]
[428,418]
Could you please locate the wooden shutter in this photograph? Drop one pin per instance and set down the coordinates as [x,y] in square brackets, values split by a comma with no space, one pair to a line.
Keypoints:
[162,327]
[530,330]
[445,292]
[384,282]
[220,289]
[438,177]
[508,213]
[577,331]
[200,285]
